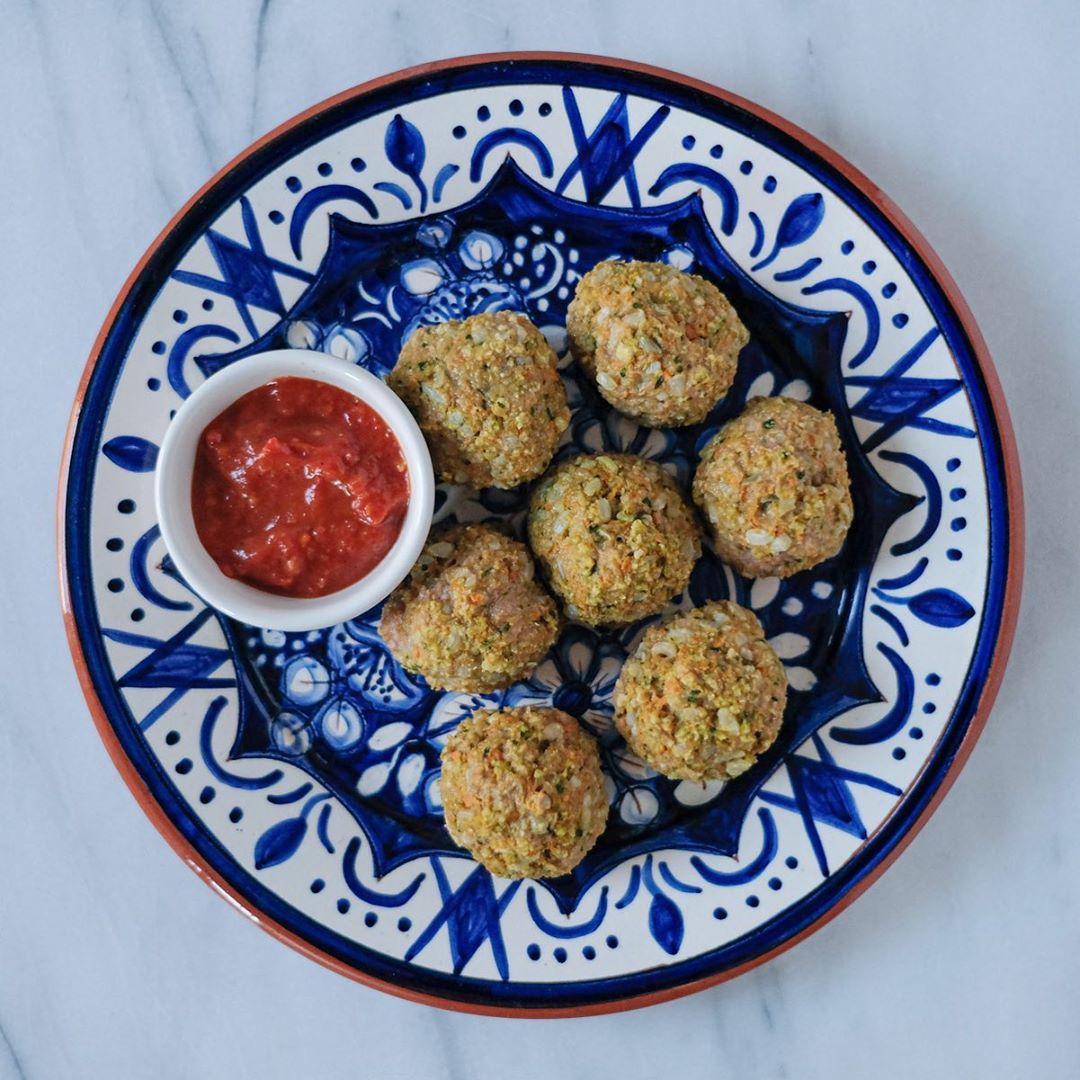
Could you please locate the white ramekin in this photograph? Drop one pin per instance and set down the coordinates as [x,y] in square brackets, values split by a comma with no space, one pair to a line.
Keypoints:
[172,493]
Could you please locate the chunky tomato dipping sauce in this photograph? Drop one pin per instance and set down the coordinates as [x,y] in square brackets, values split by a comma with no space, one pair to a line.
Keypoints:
[299,488]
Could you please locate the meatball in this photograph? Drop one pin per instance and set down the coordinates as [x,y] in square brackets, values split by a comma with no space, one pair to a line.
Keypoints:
[614,535]
[773,484]
[523,791]
[471,615]
[661,344]
[703,695]
[487,396]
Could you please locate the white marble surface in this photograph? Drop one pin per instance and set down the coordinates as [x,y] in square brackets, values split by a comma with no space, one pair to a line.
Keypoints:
[115,961]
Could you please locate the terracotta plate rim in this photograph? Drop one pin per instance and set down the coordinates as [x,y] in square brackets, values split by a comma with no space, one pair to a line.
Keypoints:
[1010,604]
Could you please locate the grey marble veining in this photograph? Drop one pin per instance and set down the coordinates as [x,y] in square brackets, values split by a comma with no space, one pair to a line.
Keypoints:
[116,962]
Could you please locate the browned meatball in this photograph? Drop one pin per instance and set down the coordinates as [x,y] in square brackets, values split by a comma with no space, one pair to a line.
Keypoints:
[703,694]
[487,396]
[523,791]
[663,345]
[471,615]
[773,485]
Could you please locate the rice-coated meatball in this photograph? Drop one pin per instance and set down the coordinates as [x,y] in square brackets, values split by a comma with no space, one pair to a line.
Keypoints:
[471,615]
[487,395]
[773,485]
[522,790]
[703,695]
[662,344]
[614,535]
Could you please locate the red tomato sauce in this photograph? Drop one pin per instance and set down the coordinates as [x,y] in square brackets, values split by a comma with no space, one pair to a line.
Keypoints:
[299,488]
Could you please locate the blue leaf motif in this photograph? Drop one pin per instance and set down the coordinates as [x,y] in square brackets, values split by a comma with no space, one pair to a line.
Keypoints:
[800,221]
[405,151]
[709,178]
[941,607]
[666,923]
[279,842]
[131,453]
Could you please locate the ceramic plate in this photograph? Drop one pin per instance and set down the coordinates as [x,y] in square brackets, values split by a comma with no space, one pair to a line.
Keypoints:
[300,772]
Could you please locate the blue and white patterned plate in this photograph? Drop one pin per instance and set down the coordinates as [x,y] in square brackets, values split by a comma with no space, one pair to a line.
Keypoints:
[300,772]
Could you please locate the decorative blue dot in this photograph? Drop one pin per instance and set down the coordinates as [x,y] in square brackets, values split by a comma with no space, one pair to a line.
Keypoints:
[957,494]
[847,247]
[869,266]
[752,901]
[114,543]
[952,464]
[746,168]
[137,614]
[688,142]
[775,884]
[172,738]
[916,732]
[791,862]
[235,814]
[483,113]
[770,185]
[954,555]
[153,384]
[929,708]
[716,151]
[317,885]
[206,795]
[115,585]
[900,320]
[276,216]
[126,506]
[158,347]
[459,132]
[560,954]
[589,952]
[545,109]
[343,905]
[370,919]
[899,753]
[208,304]
[533,951]
[719,913]
[404,924]
[516,108]
[184,766]
[293,183]
[325,168]
[611,941]
[889,290]
[933,679]
[180,316]
[172,413]
[358,164]
[958,524]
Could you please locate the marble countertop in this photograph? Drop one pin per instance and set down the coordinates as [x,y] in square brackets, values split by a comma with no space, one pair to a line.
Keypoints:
[115,961]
